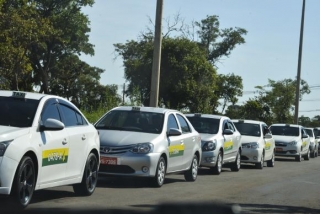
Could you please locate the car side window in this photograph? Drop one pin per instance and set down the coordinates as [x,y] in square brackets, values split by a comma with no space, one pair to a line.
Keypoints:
[50,110]
[172,122]
[230,126]
[184,125]
[70,116]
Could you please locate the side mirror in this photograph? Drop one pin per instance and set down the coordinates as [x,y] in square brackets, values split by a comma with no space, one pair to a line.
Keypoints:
[305,136]
[174,132]
[52,125]
[267,136]
[227,132]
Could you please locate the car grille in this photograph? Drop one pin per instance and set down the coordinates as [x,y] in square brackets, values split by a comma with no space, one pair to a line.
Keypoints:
[116,169]
[244,157]
[281,144]
[115,150]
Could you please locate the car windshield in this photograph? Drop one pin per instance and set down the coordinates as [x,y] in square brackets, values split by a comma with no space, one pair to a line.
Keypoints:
[285,130]
[138,121]
[205,125]
[17,112]
[309,132]
[248,129]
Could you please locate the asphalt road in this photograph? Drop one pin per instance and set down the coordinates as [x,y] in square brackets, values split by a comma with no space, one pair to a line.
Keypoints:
[289,187]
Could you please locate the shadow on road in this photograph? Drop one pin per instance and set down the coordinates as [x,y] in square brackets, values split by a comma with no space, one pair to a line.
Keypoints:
[276,209]
[131,182]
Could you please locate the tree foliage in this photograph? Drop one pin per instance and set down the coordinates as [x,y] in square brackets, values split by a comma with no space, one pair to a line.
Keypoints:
[188,78]
[40,45]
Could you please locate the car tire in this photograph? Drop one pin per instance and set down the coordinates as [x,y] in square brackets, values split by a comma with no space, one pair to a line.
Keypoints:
[24,182]
[237,163]
[313,154]
[192,173]
[307,156]
[89,178]
[316,155]
[261,163]
[158,179]
[216,170]
[298,158]
[270,163]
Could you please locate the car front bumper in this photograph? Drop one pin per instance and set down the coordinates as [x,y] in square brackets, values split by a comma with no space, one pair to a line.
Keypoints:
[251,155]
[288,151]
[130,164]
[209,158]
[7,171]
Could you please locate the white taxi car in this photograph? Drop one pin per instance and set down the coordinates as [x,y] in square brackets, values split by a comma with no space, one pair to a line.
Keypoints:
[313,142]
[45,141]
[316,132]
[257,142]
[148,142]
[221,141]
[291,141]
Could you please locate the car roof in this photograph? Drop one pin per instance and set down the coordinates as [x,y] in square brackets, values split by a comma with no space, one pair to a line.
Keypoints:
[145,109]
[206,115]
[248,121]
[23,94]
[284,124]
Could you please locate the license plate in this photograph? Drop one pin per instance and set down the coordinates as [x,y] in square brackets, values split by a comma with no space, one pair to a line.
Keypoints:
[278,149]
[108,161]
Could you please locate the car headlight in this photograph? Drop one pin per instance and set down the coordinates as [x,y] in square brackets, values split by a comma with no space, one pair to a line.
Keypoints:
[293,143]
[252,145]
[142,148]
[3,146]
[209,145]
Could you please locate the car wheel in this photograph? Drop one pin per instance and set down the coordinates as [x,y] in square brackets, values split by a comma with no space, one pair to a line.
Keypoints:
[307,156]
[237,163]
[313,153]
[261,163]
[158,179]
[270,162]
[298,158]
[218,167]
[24,182]
[192,173]
[89,178]
[316,154]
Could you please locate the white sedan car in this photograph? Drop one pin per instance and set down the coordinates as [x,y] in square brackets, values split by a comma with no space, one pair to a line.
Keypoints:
[148,142]
[313,142]
[45,141]
[257,142]
[220,140]
[291,141]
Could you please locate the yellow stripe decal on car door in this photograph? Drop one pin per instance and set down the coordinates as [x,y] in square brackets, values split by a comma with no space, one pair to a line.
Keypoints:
[55,156]
[176,150]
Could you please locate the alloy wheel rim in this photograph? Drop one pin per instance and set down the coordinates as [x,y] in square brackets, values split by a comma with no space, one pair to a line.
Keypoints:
[92,175]
[195,168]
[26,183]
[161,172]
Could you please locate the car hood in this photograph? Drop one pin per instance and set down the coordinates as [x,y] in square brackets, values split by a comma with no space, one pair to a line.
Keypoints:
[285,138]
[249,139]
[9,132]
[122,138]
[207,137]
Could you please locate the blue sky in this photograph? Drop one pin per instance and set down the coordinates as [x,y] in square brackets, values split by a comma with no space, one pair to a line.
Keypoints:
[270,52]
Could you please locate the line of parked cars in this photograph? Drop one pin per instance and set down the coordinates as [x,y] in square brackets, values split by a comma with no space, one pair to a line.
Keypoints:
[45,141]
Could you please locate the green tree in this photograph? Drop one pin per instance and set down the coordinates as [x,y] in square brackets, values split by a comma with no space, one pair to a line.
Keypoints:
[229,87]
[187,78]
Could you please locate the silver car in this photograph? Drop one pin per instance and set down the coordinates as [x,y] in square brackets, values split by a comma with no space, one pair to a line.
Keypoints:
[313,143]
[291,141]
[258,145]
[316,132]
[148,142]
[220,141]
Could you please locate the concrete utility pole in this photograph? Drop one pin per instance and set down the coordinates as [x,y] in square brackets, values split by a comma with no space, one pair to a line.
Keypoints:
[155,78]
[296,109]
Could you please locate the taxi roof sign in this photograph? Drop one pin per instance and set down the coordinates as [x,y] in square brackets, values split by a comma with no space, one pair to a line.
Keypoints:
[135,108]
[18,94]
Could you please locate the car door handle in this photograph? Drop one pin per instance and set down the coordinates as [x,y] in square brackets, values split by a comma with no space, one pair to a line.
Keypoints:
[193,139]
[83,137]
[181,142]
[64,142]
